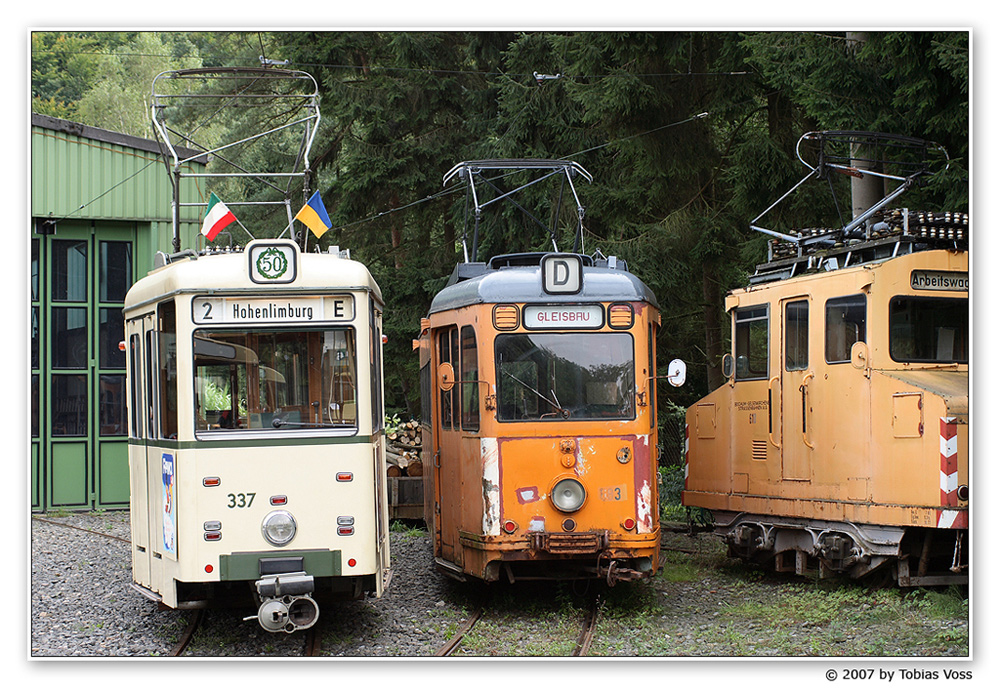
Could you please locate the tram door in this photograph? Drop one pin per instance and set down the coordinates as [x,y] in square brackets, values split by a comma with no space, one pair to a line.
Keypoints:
[79,279]
[140,430]
[448,438]
[796,402]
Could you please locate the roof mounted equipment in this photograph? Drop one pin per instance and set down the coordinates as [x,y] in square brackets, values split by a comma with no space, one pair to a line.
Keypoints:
[471,173]
[286,100]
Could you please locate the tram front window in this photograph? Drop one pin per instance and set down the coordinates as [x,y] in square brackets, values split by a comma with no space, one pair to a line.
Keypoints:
[565,376]
[274,380]
[929,330]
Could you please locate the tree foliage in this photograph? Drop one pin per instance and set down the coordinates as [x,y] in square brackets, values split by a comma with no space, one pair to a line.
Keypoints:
[689,136]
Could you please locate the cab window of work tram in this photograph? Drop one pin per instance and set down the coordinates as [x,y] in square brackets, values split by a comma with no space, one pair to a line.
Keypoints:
[565,376]
[929,330]
[275,379]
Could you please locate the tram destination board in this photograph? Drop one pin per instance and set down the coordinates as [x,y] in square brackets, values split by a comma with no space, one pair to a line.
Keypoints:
[227,310]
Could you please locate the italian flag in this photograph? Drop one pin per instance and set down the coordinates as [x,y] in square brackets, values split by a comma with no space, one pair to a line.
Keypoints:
[217,217]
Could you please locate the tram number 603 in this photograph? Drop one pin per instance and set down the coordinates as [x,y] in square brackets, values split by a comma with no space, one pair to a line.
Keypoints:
[241,500]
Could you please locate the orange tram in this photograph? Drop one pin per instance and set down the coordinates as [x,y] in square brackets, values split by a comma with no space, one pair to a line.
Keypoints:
[839,443]
[536,373]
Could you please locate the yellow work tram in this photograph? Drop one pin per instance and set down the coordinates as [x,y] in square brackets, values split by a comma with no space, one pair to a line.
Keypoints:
[536,372]
[839,442]
[256,447]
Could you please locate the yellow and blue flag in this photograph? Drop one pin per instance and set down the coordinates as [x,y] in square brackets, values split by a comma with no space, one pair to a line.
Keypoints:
[313,215]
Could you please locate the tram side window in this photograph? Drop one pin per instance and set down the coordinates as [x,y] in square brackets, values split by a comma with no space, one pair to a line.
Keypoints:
[470,375]
[274,380]
[425,393]
[845,325]
[797,335]
[149,368]
[378,417]
[167,350]
[448,354]
[652,371]
[751,343]
[929,330]
[135,364]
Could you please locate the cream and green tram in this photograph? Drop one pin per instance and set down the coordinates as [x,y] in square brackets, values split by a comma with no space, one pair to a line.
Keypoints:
[256,444]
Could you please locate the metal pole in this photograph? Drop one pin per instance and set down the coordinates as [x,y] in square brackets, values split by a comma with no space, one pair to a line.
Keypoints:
[175,210]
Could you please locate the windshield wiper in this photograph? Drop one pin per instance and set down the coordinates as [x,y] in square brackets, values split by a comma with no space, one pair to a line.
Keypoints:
[531,389]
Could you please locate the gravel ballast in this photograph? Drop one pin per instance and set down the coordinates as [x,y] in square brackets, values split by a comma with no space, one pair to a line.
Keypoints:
[701,605]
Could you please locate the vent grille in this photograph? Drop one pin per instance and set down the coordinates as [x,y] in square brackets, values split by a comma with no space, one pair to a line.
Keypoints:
[620,316]
[758,449]
[505,317]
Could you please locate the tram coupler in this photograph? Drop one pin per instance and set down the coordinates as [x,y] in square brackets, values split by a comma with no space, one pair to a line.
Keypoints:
[286,602]
[615,573]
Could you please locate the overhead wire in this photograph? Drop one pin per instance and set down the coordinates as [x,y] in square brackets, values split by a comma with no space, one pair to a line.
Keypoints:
[460,186]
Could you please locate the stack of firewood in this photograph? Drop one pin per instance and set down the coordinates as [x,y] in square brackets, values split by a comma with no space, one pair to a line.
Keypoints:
[402,451]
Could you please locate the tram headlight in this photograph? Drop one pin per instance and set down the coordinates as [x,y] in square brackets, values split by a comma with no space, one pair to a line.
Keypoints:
[278,527]
[568,495]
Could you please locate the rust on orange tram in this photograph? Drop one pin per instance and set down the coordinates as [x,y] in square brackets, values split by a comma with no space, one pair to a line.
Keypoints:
[538,383]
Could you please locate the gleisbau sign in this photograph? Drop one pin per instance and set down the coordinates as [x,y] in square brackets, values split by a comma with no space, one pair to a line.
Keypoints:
[559,317]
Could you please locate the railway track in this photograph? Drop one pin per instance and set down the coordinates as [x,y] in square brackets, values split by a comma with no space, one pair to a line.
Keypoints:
[580,649]
[449,647]
[587,634]
[181,645]
[314,640]
[85,530]
[313,636]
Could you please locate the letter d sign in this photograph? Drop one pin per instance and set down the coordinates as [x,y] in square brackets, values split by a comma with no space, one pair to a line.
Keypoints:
[562,273]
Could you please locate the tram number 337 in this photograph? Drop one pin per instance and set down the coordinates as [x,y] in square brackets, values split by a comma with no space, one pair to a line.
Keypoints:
[241,500]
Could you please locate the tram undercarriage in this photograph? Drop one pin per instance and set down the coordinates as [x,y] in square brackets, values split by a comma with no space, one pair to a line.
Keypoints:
[912,556]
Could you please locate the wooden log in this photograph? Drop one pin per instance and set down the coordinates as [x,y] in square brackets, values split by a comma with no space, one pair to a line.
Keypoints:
[394,471]
[398,461]
[415,468]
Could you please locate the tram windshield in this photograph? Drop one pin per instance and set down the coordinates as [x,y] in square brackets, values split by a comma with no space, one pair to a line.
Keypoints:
[929,330]
[275,380]
[565,376]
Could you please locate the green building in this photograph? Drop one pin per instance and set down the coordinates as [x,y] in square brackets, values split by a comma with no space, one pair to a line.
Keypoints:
[100,210]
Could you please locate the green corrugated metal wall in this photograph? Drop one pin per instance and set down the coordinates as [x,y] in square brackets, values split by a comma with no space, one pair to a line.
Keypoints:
[105,192]
[111,181]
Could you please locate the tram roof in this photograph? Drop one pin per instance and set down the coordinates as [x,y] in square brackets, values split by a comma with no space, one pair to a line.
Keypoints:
[227,272]
[474,283]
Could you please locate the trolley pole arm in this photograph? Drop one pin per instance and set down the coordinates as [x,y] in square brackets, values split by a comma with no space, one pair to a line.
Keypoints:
[878,206]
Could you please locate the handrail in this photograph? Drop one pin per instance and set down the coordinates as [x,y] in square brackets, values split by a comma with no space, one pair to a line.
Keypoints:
[770,413]
[802,388]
